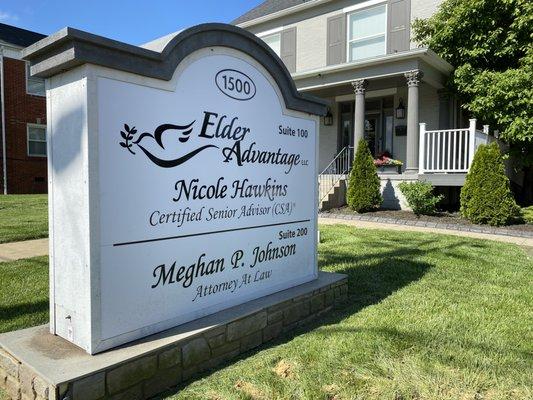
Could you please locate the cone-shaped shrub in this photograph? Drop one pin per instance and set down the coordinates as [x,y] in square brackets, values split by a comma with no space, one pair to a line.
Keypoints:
[363,187]
[486,197]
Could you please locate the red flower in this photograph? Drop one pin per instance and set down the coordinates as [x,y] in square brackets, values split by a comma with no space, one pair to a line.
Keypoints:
[385,158]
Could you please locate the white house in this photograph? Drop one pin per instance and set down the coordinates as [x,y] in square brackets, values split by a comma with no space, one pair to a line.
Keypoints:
[360,55]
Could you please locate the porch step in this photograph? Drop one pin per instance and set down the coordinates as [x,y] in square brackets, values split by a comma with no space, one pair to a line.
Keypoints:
[335,198]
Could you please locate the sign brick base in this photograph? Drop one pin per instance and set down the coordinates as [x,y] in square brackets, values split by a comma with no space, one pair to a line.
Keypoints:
[37,365]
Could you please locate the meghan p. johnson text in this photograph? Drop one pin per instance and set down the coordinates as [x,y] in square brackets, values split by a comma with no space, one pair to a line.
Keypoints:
[186,274]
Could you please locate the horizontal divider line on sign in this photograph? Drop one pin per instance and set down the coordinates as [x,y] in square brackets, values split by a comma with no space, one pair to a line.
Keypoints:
[209,233]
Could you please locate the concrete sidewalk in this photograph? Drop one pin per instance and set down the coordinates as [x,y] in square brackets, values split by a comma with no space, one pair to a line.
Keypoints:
[33,248]
[26,249]
[521,241]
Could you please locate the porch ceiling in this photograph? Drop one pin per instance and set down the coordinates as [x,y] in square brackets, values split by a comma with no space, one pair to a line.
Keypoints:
[381,72]
[345,88]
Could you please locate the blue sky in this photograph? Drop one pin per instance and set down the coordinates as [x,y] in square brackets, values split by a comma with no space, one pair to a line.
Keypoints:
[134,22]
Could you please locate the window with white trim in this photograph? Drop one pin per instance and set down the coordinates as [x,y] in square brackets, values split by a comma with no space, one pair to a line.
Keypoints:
[367,30]
[34,84]
[274,41]
[36,140]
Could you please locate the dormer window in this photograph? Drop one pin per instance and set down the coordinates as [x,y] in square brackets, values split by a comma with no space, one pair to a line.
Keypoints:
[274,41]
[367,33]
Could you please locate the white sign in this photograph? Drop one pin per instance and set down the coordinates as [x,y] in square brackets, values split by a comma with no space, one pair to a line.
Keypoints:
[207,194]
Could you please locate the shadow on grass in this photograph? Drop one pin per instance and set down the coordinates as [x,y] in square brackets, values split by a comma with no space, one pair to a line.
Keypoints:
[368,284]
[401,249]
[14,311]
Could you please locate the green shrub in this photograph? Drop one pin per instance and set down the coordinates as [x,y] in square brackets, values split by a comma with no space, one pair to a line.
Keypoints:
[364,192]
[420,197]
[527,214]
[486,196]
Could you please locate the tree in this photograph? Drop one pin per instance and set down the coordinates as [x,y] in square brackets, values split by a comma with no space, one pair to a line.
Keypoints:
[489,42]
[486,197]
[364,189]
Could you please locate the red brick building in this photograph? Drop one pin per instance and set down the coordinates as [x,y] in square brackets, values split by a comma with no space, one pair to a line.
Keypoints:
[23,166]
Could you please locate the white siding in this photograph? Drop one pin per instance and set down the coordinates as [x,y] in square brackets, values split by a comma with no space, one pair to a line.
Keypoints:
[311,29]
[422,9]
[399,143]
[328,139]
[429,106]
[311,36]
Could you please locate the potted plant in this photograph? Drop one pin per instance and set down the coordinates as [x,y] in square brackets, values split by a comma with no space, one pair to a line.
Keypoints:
[387,165]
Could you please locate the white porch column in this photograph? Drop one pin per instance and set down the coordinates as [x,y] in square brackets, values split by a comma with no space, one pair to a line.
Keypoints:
[413,80]
[359,87]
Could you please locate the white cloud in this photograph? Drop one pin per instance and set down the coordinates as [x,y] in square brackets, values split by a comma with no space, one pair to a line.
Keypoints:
[6,17]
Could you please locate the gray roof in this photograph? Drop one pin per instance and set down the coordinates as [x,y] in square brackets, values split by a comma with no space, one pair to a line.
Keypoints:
[70,48]
[18,36]
[267,7]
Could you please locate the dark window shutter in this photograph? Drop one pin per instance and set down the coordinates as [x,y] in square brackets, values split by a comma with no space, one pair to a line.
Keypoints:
[398,35]
[336,50]
[288,48]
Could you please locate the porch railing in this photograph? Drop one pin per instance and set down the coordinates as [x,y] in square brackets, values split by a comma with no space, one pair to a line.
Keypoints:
[336,170]
[449,150]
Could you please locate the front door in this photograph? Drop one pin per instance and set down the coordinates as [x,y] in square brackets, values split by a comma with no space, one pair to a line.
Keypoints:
[378,128]
[346,125]
[373,133]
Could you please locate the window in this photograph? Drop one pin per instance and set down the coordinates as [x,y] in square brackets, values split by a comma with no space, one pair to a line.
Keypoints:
[274,41]
[34,85]
[36,140]
[366,33]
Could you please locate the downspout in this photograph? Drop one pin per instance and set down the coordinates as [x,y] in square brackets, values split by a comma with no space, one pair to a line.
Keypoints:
[3,121]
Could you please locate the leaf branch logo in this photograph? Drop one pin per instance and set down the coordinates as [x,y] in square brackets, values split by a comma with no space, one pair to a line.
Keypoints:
[128,136]
[184,132]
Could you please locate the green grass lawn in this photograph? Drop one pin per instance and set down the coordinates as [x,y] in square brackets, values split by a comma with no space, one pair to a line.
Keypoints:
[23,217]
[24,294]
[428,317]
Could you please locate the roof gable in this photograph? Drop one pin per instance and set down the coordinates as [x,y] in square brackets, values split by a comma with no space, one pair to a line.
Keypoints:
[18,36]
[267,7]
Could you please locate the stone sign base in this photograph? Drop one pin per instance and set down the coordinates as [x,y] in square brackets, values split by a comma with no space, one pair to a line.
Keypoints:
[37,365]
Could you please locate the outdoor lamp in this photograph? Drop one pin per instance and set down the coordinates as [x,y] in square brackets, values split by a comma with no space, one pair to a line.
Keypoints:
[400,110]
[328,118]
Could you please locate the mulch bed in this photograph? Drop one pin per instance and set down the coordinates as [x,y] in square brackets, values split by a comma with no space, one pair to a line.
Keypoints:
[446,220]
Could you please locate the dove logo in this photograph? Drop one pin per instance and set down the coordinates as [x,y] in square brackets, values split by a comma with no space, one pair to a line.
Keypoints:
[128,134]
[214,126]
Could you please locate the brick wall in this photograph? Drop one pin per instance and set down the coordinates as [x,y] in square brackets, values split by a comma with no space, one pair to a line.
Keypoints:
[25,174]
